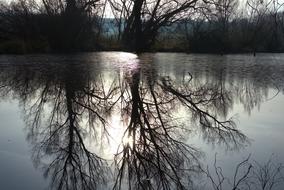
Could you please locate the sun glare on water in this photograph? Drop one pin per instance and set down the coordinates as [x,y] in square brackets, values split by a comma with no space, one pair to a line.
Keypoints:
[118,138]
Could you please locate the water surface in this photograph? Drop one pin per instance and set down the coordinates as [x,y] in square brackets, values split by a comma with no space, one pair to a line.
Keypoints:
[100,120]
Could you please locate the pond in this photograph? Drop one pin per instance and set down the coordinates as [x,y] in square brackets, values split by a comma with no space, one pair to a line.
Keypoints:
[150,121]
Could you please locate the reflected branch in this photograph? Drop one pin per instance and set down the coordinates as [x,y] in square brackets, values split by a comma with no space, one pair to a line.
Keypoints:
[151,156]
[212,128]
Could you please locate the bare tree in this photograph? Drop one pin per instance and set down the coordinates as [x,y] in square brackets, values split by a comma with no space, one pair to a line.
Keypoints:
[142,19]
[225,10]
[257,11]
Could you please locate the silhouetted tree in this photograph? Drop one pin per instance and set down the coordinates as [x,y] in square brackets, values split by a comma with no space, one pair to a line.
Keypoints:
[142,19]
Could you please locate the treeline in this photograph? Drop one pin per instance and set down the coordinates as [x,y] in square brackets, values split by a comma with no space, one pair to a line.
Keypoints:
[257,26]
[51,26]
[204,26]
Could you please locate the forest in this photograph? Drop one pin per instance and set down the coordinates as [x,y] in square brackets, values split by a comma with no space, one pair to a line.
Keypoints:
[192,26]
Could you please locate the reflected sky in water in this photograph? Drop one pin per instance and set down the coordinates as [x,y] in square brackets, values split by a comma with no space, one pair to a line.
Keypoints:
[150,121]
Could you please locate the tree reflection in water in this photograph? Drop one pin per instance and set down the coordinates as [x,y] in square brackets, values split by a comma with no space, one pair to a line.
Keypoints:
[70,105]
[56,105]
[154,158]
[157,156]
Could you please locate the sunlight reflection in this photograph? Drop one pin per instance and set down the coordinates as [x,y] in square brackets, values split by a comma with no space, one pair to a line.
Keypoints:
[118,138]
[128,61]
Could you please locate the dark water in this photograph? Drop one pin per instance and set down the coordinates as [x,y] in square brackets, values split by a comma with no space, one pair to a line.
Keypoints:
[153,121]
